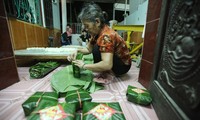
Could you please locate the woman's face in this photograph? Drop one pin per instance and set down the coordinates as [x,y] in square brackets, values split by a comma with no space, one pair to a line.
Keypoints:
[91,27]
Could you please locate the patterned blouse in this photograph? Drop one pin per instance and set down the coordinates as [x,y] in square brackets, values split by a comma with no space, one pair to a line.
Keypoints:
[110,41]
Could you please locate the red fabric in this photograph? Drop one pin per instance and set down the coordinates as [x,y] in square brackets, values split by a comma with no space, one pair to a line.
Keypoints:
[110,41]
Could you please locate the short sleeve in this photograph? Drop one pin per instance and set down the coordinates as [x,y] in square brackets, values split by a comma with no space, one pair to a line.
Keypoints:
[106,43]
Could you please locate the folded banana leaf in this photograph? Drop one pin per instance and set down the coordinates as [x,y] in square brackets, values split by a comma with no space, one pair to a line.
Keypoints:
[63,81]
[79,56]
[139,96]
[78,116]
[88,57]
[102,111]
[93,86]
[52,111]
[76,69]
[41,69]
[77,97]
[32,102]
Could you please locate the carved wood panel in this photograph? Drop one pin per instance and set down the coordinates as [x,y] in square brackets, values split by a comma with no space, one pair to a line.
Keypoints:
[178,70]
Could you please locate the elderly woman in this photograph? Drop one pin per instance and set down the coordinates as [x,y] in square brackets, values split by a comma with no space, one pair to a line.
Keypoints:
[109,50]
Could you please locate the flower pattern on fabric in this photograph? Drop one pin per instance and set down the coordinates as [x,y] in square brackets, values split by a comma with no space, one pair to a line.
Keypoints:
[106,39]
[110,41]
[102,112]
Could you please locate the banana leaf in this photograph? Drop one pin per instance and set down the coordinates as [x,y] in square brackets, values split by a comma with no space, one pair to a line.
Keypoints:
[78,116]
[88,58]
[138,96]
[79,56]
[93,86]
[32,102]
[77,97]
[63,81]
[53,111]
[76,69]
[102,111]
[41,69]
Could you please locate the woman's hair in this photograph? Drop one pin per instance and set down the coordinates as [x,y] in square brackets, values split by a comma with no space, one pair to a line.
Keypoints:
[90,12]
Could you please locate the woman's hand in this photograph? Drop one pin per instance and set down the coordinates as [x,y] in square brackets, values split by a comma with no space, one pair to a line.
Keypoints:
[79,63]
[72,56]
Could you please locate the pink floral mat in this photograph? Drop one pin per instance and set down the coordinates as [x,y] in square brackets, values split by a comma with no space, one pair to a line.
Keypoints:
[12,97]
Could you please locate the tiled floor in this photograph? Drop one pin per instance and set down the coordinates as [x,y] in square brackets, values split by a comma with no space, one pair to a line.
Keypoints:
[12,97]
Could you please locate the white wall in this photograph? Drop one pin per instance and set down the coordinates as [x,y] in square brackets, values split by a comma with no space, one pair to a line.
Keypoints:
[138,13]
[133,5]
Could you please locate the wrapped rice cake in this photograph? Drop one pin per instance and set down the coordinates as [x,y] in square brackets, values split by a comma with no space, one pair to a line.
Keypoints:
[61,111]
[102,111]
[78,116]
[77,97]
[139,96]
[41,69]
[32,102]
[76,69]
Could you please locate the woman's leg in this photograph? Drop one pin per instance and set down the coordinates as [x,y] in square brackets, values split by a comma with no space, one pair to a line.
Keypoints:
[119,68]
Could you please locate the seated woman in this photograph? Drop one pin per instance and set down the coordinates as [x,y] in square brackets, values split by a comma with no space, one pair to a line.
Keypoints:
[110,52]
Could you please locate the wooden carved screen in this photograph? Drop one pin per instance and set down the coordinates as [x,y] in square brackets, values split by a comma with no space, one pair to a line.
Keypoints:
[175,85]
